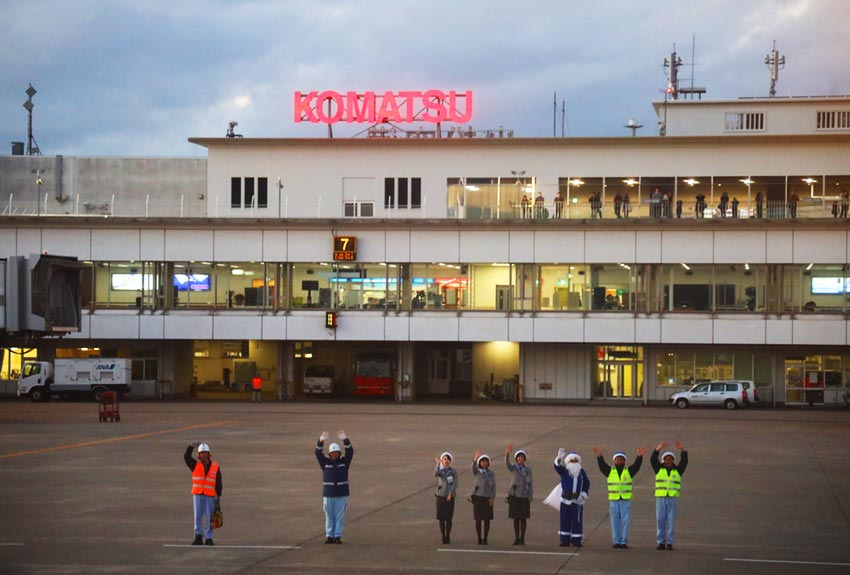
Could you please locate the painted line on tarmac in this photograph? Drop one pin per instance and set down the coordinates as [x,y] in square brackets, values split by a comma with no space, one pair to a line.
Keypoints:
[787,562]
[11,544]
[113,439]
[236,546]
[507,552]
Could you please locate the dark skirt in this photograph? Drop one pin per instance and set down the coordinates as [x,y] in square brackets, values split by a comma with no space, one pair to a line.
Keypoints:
[445,508]
[519,508]
[481,509]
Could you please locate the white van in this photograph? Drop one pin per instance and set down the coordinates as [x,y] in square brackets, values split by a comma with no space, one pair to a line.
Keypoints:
[319,379]
[729,394]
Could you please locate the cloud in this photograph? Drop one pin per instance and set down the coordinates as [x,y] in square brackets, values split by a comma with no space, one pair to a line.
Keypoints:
[139,79]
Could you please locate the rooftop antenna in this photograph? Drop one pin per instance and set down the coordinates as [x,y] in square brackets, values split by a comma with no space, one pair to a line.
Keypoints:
[633,125]
[554,114]
[776,63]
[230,133]
[673,63]
[32,145]
[563,116]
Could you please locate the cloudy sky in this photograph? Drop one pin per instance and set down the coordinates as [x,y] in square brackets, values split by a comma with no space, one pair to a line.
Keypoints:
[121,78]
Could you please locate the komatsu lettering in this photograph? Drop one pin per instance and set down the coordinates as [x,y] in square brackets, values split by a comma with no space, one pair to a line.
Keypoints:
[432,106]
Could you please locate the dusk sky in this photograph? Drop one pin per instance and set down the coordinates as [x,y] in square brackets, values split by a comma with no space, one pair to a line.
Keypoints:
[138,79]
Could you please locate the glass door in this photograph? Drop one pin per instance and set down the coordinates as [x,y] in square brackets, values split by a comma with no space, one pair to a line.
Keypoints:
[794,377]
[619,373]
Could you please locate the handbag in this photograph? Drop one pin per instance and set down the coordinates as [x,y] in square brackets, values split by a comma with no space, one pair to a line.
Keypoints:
[217,519]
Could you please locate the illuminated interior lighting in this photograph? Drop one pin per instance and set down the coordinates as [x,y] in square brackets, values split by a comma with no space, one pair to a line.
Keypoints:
[472,188]
[747,267]
[237,272]
[747,181]
[809,267]
[631,182]
[686,267]
[810,181]
[624,266]
[576,182]
[691,181]
[500,265]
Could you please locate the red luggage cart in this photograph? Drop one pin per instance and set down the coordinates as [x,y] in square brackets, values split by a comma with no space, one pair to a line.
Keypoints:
[109,409]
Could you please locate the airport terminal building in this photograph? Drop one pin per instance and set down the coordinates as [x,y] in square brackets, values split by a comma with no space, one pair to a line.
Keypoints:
[574,269]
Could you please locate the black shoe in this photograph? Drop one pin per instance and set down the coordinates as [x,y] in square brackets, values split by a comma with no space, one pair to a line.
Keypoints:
[338,540]
[522,540]
[209,542]
[669,547]
[199,540]
[485,541]
[516,542]
[616,546]
[481,542]
[623,546]
[577,544]
[329,540]
[565,543]
[660,547]
[448,540]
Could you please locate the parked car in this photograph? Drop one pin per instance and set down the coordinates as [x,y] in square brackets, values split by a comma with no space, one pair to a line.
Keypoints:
[319,379]
[729,394]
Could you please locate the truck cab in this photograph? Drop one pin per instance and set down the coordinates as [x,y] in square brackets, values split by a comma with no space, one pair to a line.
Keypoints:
[35,380]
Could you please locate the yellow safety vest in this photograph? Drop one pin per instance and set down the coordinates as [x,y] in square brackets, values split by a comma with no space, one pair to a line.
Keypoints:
[619,486]
[667,484]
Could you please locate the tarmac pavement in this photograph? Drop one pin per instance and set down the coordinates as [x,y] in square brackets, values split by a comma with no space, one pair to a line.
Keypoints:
[766,491]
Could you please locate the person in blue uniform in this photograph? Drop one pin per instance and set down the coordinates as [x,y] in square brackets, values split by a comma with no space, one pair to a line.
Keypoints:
[575,487]
[335,490]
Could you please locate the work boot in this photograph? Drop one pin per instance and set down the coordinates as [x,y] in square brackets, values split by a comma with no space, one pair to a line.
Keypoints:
[338,540]
[209,542]
[199,540]
[329,540]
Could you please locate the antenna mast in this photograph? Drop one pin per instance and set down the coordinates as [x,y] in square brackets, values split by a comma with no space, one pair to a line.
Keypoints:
[775,63]
[32,150]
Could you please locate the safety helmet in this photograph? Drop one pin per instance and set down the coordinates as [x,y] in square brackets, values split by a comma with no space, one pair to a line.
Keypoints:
[203,447]
[334,447]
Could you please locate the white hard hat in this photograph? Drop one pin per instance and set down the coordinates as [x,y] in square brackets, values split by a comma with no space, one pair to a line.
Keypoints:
[203,447]
[334,447]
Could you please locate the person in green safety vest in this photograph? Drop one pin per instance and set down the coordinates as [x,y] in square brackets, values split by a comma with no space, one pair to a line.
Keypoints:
[619,492]
[668,485]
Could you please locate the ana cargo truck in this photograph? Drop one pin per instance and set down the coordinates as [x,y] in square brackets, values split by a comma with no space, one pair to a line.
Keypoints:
[69,377]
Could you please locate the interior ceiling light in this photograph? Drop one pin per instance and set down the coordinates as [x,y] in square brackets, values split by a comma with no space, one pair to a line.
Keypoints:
[747,181]
[691,181]
[810,181]
[576,182]
[630,182]
[686,267]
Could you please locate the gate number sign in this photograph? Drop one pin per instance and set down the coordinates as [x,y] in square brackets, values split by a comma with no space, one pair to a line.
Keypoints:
[345,248]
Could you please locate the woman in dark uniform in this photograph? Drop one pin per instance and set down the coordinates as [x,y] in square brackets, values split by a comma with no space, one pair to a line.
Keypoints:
[446,492]
[519,494]
[483,495]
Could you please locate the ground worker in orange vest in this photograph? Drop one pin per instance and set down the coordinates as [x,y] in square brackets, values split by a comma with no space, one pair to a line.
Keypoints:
[257,386]
[206,490]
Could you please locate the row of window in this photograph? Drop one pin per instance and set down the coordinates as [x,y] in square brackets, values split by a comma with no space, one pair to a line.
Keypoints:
[755,121]
[614,287]
[758,196]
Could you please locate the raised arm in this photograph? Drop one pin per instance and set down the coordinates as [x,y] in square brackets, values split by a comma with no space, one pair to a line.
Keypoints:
[187,456]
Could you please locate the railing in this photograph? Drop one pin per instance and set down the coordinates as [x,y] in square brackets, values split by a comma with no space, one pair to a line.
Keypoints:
[180,206]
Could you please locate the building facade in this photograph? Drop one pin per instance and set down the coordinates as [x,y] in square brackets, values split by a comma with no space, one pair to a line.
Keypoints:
[579,269]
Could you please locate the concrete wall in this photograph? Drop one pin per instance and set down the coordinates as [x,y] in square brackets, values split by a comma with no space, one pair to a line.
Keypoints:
[782,115]
[99,186]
